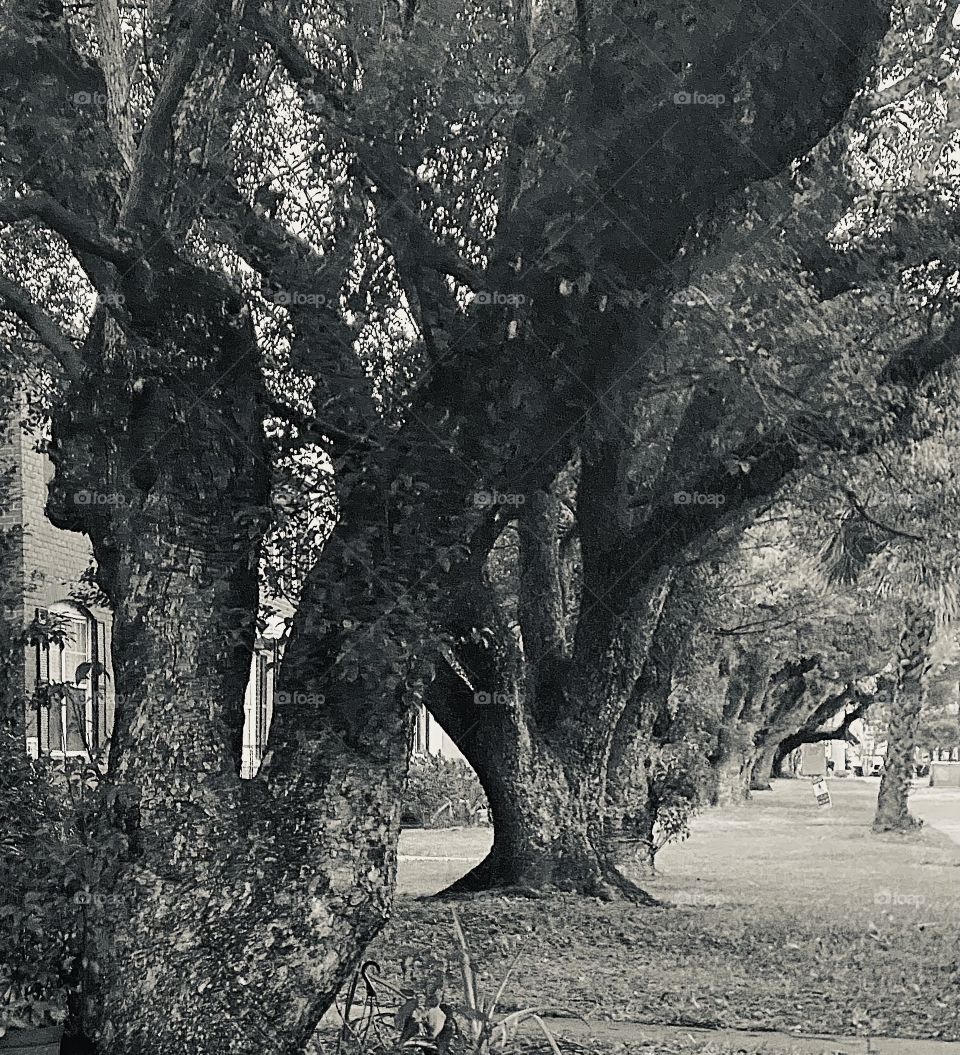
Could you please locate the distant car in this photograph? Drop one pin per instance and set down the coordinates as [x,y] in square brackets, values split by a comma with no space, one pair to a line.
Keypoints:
[876,770]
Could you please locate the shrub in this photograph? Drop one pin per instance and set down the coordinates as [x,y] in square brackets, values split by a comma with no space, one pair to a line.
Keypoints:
[37,917]
[677,778]
[442,793]
[443,1008]
[59,854]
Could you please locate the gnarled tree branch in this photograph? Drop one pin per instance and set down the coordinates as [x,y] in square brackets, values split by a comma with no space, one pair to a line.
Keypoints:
[16,298]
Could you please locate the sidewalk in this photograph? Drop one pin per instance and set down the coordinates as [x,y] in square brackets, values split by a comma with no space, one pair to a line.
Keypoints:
[938,807]
[628,1033]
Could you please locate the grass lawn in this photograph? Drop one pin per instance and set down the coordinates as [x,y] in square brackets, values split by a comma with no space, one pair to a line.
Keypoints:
[777,915]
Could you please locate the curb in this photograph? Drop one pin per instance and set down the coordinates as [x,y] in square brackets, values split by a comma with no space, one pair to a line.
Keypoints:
[794,1043]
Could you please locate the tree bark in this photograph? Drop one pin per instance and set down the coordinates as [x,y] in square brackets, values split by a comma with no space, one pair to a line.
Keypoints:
[548,823]
[239,909]
[913,669]
[761,772]
[732,778]
[644,725]
[546,786]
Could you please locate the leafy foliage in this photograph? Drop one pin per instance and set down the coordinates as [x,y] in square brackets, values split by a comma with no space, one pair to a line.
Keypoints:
[445,1010]
[676,787]
[442,793]
[38,919]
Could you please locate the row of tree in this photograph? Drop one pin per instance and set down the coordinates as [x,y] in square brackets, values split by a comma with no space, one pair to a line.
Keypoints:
[538,334]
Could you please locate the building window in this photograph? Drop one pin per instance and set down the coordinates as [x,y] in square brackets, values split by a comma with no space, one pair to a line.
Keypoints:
[257,710]
[420,734]
[68,676]
[262,700]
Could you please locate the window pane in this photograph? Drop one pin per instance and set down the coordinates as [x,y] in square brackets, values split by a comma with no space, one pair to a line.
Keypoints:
[76,708]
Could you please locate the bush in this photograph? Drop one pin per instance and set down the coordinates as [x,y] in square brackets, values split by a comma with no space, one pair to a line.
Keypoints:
[59,854]
[677,778]
[38,922]
[442,793]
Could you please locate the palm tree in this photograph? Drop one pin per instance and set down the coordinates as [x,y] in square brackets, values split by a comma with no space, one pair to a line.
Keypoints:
[901,565]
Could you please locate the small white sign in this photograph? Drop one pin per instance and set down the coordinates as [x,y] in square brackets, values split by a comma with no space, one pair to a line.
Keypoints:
[822,792]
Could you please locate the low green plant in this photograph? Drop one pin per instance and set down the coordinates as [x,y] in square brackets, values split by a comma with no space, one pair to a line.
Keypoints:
[676,779]
[37,919]
[59,853]
[443,793]
[436,1016]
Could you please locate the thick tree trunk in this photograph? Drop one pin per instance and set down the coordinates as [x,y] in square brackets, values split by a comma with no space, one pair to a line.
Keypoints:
[238,909]
[761,771]
[546,807]
[731,779]
[913,668]
[547,828]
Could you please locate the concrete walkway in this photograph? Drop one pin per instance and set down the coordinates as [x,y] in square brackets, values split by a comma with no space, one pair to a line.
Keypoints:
[938,807]
[628,1033]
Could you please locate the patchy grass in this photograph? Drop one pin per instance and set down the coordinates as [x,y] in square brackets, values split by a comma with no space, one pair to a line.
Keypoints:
[776,916]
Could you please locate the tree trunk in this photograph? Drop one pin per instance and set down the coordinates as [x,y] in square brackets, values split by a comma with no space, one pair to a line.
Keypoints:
[547,827]
[546,807]
[238,909]
[913,668]
[762,769]
[556,734]
[893,812]
[731,779]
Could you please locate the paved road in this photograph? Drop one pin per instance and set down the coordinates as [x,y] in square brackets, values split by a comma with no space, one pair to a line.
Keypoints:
[939,807]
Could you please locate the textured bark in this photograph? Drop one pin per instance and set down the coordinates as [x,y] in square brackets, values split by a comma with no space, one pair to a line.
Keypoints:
[548,823]
[913,669]
[631,812]
[732,779]
[748,684]
[545,780]
[761,772]
[240,909]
